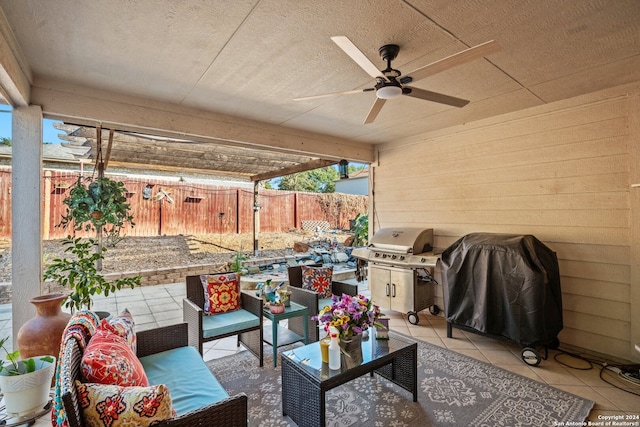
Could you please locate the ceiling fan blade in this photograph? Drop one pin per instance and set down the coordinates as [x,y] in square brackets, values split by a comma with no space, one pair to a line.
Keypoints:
[354,53]
[456,59]
[375,109]
[435,97]
[326,95]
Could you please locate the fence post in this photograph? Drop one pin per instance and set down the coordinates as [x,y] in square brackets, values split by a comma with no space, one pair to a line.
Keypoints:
[295,209]
[237,211]
[46,220]
[256,216]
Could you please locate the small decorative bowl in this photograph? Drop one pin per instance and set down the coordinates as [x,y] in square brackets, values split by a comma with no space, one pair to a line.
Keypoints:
[276,309]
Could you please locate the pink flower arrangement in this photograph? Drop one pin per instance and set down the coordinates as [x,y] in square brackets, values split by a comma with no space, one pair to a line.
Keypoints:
[351,315]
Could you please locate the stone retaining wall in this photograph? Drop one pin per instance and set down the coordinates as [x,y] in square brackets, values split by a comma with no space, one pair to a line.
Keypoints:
[160,276]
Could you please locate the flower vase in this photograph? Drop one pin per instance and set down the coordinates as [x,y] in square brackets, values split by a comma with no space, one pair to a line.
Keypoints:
[42,334]
[351,349]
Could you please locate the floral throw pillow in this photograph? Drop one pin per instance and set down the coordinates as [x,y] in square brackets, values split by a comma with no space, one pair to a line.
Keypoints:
[317,279]
[108,359]
[115,406]
[221,293]
[124,326]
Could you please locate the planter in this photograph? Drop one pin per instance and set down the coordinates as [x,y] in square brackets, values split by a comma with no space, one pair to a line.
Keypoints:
[285,297]
[276,309]
[27,393]
[351,350]
[42,334]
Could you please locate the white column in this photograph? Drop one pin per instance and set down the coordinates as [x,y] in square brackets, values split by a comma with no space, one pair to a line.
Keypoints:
[26,192]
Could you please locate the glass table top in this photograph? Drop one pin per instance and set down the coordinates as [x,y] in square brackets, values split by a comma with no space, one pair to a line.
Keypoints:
[310,359]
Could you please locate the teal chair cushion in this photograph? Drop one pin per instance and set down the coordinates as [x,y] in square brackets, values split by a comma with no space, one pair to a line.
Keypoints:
[190,383]
[323,302]
[226,323]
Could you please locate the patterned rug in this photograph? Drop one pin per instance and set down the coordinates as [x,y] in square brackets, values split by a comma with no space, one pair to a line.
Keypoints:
[453,390]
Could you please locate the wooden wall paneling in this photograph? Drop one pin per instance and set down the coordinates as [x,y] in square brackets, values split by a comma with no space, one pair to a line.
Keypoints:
[560,172]
[634,194]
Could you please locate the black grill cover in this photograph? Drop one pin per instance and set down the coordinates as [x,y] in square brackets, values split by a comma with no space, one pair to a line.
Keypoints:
[503,285]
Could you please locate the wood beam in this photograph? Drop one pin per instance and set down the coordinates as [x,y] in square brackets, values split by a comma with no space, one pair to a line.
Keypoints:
[90,106]
[15,74]
[314,164]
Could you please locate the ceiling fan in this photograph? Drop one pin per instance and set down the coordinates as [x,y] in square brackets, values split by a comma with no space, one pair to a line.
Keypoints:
[390,83]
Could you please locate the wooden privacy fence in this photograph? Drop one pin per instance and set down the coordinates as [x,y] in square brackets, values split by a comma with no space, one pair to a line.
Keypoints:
[192,208]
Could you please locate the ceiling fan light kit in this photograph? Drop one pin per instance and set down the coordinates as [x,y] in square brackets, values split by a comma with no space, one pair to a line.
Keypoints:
[389,92]
[390,84]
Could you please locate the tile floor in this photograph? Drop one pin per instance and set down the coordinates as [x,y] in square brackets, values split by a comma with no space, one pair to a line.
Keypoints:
[162,305]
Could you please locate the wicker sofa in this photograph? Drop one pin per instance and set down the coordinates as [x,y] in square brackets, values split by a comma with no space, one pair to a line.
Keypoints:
[167,359]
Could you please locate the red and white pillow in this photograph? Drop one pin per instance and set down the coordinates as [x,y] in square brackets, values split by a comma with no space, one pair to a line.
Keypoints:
[126,328]
[221,293]
[109,359]
[317,279]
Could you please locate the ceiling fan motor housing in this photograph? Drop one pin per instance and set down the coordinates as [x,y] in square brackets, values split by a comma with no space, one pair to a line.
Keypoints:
[389,52]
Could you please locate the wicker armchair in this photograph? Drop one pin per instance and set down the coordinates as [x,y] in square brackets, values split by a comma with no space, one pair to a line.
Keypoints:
[312,301]
[193,312]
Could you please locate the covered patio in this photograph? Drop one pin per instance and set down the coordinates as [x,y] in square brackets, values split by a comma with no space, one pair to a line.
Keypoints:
[547,144]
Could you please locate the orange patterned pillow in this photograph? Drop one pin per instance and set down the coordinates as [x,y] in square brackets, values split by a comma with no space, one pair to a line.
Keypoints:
[109,359]
[221,293]
[115,406]
[317,279]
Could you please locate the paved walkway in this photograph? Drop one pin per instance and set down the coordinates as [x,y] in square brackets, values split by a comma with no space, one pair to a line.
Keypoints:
[151,306]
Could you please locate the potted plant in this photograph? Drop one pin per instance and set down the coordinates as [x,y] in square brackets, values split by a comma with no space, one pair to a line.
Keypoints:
[99,205]
[80,274]
[25,383]
[237,262]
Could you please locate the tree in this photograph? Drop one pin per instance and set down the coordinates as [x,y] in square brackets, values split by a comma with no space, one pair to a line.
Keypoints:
[313,181]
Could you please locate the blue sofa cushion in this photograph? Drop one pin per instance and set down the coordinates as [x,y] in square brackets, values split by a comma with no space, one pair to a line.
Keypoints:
[190,383]
[226,323]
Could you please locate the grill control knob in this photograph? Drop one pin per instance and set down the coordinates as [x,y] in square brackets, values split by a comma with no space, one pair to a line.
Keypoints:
[393,257]
[423,260]
[401,257]
[384,255]
[376,255]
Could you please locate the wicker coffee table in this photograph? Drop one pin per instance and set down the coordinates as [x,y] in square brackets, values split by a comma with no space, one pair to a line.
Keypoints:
[305,379]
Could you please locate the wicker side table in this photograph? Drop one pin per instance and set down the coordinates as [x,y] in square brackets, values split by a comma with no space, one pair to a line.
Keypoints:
[278,337]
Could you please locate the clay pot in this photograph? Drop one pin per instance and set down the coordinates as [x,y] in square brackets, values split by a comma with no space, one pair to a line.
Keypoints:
[42,334]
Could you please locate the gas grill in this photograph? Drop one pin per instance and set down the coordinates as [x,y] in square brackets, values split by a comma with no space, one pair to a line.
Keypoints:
[401,267]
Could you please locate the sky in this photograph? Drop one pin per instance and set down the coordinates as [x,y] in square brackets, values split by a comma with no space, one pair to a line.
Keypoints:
[49,133]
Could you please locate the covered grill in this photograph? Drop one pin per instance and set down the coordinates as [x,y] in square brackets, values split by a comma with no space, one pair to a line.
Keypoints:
[505,286]
[401,264]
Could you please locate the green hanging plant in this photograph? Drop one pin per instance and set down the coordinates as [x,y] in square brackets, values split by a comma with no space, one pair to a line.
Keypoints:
[98,204]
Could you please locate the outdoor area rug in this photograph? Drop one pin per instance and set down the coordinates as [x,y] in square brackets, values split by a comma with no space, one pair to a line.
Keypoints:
[453,390]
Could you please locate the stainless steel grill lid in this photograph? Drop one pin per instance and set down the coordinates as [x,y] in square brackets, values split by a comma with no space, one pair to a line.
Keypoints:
[403,240]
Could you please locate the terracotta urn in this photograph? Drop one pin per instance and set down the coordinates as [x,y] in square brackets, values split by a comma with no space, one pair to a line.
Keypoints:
[42,334]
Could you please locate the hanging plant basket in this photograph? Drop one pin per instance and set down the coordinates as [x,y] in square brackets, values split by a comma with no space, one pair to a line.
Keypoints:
[97,204]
